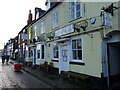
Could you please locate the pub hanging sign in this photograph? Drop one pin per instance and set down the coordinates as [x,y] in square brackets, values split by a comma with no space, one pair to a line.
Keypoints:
[107,19]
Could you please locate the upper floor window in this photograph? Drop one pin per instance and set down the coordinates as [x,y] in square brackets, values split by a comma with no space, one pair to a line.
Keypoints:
[42,27]
[55,19]
[75,10]
[77,49]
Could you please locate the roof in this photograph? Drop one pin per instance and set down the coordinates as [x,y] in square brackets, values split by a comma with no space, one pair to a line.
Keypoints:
[23,29]
[45,13]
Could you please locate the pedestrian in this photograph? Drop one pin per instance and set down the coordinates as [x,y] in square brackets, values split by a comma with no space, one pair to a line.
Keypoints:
[7,59]
[3,59]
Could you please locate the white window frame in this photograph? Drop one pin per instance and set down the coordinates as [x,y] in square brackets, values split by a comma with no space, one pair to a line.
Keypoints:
[74,13]
[42,27]
[77,60]
[55,18]
[41,52]
[53,53]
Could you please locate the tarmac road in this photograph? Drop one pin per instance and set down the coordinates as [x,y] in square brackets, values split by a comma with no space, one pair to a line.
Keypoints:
[11,79]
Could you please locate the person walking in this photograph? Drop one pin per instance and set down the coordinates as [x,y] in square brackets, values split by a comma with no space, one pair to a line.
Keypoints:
[7,59]
[3,59]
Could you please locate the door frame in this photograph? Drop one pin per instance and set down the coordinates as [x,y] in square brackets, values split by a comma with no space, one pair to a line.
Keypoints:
[60,45]
[111,37]
[34,56]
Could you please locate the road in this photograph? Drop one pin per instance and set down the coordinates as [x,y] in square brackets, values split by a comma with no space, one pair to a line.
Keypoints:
[11,79]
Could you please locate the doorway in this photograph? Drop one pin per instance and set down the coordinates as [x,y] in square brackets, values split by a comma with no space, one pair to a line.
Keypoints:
[34,56]
[64,58]
[113,50]
[111,58]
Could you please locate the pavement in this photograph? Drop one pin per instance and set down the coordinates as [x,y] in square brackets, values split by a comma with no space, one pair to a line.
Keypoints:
[53,79]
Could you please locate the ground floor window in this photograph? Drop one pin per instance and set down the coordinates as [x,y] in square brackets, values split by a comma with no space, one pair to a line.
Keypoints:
[38,54]
[77,49]
[55,52]
[41,52]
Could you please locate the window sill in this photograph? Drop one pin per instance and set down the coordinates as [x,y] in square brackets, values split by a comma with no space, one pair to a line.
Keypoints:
[74,19]
[55,28]
[40,59]
[55,60]
[77,63]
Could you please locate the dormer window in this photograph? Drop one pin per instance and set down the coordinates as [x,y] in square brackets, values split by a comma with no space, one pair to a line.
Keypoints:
[48,5]
[37,15]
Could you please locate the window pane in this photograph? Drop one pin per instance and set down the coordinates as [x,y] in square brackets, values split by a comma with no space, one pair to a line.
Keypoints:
[72,3]
[42,54]
[38,54]
[79,46]
[73,44]
[42,47]
[55,52]
[74,54]
[78,14]
[79,54]
[72,16]
[55,19]
[78,7]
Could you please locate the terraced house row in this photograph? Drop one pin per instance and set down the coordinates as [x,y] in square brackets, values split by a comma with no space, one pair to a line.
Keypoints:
[82,37]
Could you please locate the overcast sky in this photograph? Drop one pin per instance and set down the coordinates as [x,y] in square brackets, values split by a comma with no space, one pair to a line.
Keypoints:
[14,16]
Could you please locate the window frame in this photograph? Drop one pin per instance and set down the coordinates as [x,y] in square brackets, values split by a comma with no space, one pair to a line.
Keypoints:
[56,51]
[42,27]
[40,51]
[77,60]
[55,19]
[75,10]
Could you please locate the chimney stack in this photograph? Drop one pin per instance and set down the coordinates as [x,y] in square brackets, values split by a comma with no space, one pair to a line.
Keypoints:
[29,17]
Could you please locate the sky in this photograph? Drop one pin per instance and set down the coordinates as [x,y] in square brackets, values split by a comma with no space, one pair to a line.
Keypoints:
[14,16]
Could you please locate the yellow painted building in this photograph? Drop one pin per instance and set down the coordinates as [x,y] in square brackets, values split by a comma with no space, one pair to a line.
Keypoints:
[79,37]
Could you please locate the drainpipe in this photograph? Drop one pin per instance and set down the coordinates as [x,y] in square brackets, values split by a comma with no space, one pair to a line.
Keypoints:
[108,78]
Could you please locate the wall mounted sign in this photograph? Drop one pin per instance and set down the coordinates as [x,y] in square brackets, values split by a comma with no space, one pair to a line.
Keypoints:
[65,30]
[93,20]
[25,36]
[107,19]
